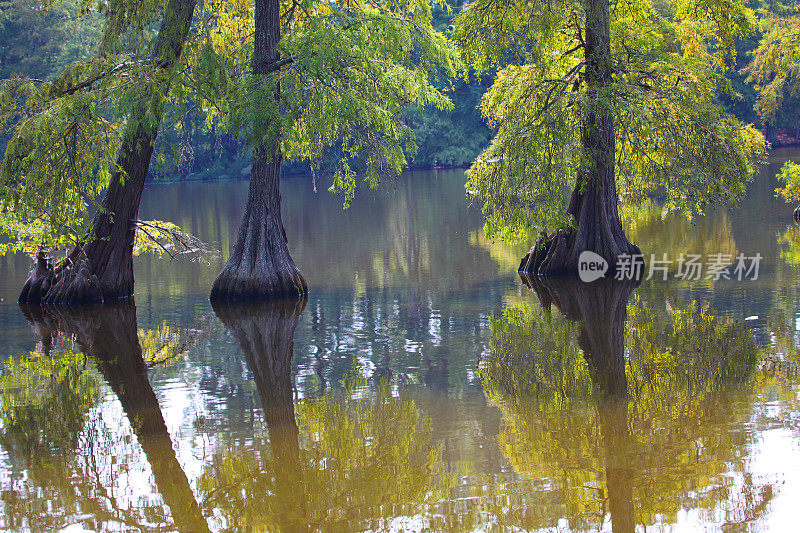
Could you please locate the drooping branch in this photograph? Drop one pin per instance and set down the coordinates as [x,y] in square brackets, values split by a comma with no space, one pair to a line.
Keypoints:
[166,238]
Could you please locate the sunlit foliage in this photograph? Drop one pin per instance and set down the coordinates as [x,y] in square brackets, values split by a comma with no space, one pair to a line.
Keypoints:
[348,72]
[672,138]
[64,133]
[774,71]
[774,65]
[789,176]
[165,238]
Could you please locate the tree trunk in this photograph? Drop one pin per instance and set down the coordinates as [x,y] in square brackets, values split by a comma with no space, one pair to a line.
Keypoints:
[101,268]
[260,266]
[593,204]
[109,335]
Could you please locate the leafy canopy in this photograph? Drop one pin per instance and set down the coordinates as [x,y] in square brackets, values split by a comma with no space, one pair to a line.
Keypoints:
[349,70]
[673,140]
[64,133]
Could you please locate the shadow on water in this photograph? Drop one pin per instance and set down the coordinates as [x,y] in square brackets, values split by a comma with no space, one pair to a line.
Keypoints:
[108,335]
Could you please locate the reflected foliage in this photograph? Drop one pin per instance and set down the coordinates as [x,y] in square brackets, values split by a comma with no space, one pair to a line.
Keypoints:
[350,464]
[45,401]
[660,232]
[346,462]
[789,243]
[630,420]
[82,483]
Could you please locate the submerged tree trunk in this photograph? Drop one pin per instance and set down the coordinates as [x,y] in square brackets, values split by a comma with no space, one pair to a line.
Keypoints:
[593,204]
[260,266]
[101,268]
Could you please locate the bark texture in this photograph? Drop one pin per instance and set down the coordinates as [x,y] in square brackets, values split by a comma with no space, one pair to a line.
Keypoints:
[602,308]
[108,335]
[260,266]
[593,204]
[101,267]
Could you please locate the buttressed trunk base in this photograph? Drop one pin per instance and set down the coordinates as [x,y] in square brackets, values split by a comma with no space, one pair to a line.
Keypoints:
[598,230]
[260,266]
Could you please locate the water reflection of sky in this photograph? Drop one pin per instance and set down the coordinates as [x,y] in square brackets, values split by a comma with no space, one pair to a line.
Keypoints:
[403,293]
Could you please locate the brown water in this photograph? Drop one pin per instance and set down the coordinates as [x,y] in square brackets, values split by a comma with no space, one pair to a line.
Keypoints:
[421,387]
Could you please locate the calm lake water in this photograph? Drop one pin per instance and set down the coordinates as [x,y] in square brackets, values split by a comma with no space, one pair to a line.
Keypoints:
[422,386]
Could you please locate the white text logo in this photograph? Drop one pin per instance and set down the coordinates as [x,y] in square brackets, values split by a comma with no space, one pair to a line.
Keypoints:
[591,266]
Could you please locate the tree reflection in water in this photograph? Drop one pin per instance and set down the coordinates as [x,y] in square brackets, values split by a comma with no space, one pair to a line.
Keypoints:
[352,462]
[622,411]
[616,414]
[83,482]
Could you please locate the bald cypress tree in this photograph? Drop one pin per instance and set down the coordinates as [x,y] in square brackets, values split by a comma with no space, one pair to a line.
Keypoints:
[38,203]
[327,77]
[594,106]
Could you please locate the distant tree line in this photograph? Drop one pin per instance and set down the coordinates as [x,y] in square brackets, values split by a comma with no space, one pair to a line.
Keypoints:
[39,43]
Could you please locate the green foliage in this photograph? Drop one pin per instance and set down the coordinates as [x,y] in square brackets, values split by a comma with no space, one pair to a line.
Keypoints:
[160,238]
[39,39]
[60,157]
[774,73]
[789,176]
[65,133]
[673,138]
[774,65]
[349,70]
[451,138]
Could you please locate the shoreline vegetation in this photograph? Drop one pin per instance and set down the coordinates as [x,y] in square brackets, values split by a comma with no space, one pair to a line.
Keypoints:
[239,168]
